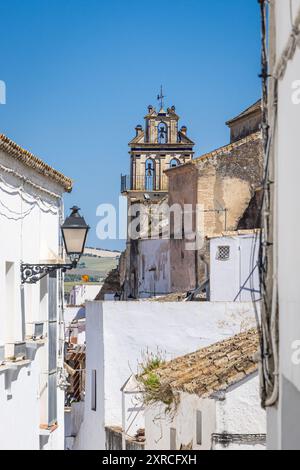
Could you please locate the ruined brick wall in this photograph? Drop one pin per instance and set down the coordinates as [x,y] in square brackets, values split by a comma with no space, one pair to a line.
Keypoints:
[182,190]
[223,184]
[228,182]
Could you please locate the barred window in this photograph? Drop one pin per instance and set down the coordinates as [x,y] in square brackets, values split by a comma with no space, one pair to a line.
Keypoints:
[223,253]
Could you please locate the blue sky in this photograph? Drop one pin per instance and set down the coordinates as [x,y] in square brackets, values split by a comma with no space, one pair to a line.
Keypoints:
[81,73]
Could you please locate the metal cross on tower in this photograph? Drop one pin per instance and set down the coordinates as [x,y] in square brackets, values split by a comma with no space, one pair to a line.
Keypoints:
[161,97]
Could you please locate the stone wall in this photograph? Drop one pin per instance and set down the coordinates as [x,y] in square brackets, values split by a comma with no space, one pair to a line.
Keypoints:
[223,184]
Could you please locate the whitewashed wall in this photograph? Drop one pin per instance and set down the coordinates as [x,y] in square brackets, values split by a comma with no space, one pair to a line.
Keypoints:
[74,321]
[227,277]
[239,412]
[29,221]
[118,332]
[154,268]
[20,409]
[82,293]
[284,420]
[158,424]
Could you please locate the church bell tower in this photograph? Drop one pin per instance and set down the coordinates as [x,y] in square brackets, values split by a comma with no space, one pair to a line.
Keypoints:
[158,146]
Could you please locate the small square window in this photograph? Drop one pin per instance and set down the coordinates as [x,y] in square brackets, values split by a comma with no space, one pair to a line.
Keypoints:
[223,253]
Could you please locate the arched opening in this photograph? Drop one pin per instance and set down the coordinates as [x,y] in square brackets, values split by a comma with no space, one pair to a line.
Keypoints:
[162,130]
[174,163]
[150,175]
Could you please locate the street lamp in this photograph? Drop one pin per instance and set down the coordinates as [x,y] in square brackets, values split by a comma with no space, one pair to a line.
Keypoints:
[74,233]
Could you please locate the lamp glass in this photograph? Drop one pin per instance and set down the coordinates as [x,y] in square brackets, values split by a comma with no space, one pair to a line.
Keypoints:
[74,240]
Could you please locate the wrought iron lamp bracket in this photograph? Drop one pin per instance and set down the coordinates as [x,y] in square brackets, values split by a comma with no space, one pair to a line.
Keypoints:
[32,273]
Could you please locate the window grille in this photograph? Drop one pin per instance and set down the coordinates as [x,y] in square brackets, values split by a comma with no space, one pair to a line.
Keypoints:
[223,253]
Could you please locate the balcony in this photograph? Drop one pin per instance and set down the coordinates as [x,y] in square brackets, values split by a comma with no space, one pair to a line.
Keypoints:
[144,183]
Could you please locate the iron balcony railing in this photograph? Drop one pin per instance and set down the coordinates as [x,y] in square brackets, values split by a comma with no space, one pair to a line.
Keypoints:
[143,183]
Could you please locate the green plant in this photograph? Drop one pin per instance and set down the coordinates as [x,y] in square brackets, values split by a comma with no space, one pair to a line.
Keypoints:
[154,389]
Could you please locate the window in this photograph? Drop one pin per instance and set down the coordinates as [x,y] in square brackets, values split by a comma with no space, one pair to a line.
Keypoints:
[174,163]
[162,131]
[173,439]
[199,427]
[150,175]
[223,253]
[94,391]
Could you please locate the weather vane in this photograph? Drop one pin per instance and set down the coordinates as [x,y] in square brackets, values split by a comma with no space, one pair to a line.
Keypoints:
[161,97]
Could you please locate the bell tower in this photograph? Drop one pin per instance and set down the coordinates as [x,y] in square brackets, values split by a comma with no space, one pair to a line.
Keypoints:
[158,146]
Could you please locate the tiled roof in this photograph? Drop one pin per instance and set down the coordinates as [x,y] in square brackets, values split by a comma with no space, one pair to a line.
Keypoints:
[252,109]
[30,160]
[213,368]
[234,233]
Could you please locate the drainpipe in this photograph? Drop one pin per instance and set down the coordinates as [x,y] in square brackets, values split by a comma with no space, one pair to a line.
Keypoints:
[123,422]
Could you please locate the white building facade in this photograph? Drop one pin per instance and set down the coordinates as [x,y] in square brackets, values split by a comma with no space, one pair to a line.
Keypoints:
[234,272]
[117,335]
[207,400]
[82,293]
[31,315]
[234,420]
[283,404]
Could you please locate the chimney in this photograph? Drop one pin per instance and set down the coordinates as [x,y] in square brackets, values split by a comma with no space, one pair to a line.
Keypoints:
[138,130]
[183,130]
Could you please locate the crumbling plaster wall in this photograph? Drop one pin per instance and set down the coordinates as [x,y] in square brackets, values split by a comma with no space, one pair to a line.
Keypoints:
[182,191]
[154,268]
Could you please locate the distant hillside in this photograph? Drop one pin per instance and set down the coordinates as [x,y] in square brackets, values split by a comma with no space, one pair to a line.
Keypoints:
[101,253]
[95,267]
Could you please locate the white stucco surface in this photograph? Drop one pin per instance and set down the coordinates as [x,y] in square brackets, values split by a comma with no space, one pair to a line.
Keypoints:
[20,409]
[239,412]
[158,424]
[118,332]
[82,293]
[29,233]
[228,277]
[285,433]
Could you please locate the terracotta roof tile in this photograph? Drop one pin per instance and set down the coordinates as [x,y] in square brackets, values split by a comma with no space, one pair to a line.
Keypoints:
[30,160]
[214,368]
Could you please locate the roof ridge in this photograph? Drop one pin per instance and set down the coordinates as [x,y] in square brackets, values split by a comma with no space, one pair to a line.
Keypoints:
[32,161]
[254,107]
[231,146]
[212,368]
